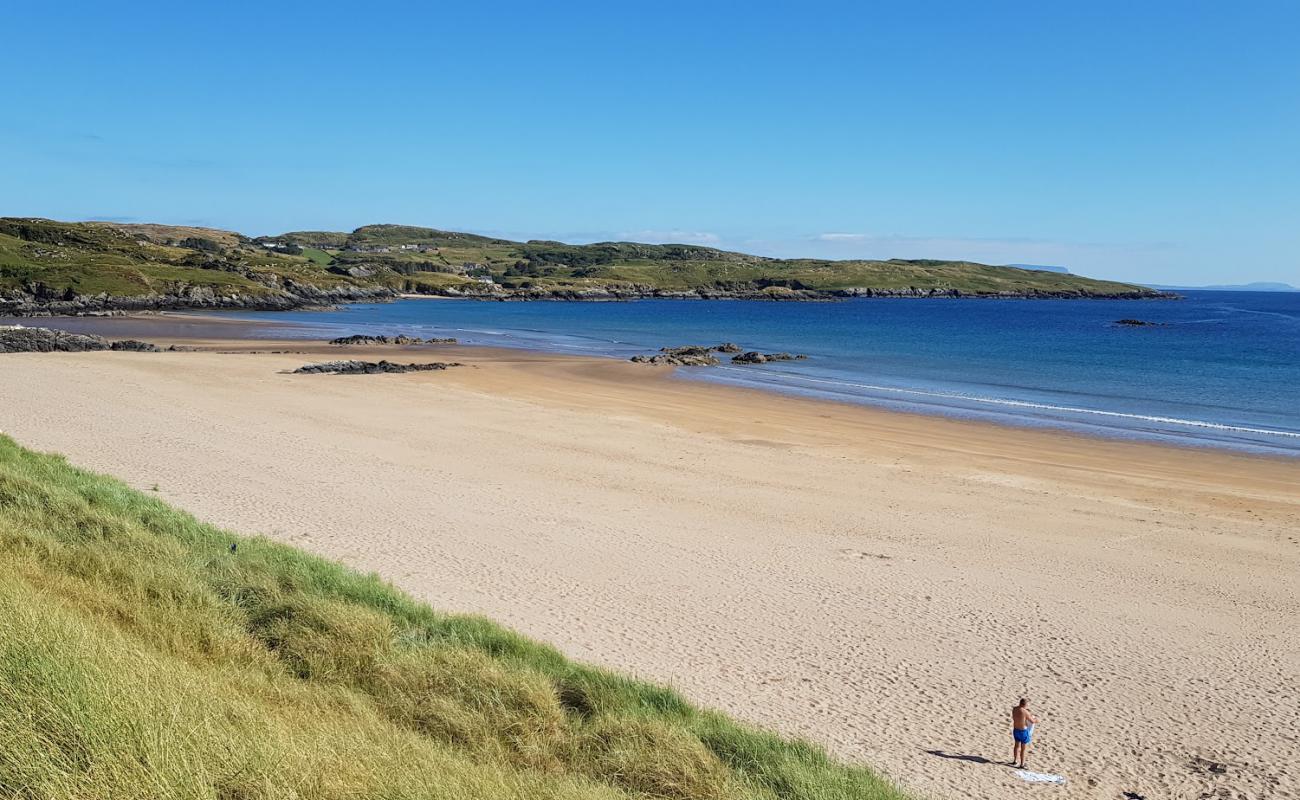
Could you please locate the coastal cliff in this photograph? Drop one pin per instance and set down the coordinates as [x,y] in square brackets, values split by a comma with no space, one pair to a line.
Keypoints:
[55,268]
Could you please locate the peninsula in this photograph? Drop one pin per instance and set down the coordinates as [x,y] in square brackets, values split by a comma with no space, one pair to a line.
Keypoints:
[49,267]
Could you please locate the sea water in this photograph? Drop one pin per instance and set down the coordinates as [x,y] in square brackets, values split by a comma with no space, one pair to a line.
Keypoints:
[1217,368]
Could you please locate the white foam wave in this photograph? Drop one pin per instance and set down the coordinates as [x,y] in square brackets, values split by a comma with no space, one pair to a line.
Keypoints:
[998,401]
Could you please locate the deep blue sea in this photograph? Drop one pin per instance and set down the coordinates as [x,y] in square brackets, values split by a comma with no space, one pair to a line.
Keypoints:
[1222,369]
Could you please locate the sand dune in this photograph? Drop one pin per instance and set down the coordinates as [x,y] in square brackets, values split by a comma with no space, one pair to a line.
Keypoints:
[882,583]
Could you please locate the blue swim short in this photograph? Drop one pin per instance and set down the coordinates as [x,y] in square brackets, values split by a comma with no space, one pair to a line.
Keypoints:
[1021,735]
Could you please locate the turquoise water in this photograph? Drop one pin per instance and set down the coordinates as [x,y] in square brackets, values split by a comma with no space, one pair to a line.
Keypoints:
[1223,368]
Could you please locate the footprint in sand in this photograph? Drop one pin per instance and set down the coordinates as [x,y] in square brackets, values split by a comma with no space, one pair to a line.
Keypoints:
[860,555]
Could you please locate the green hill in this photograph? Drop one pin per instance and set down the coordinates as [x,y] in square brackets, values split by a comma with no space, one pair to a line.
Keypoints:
[48,266]
[56,266]
[142,656]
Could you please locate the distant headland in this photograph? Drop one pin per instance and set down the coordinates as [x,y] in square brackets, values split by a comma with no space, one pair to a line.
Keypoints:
[49,267]
[1257,286]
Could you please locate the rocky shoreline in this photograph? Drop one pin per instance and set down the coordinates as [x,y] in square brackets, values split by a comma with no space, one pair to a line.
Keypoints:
[780,294]
[19,339]
[45,340]
[295,297]
[291,297]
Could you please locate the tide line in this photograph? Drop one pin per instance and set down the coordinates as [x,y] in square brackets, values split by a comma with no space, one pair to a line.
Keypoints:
[997,401]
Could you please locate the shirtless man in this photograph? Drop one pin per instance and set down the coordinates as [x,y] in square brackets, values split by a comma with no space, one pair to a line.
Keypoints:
[1022,725]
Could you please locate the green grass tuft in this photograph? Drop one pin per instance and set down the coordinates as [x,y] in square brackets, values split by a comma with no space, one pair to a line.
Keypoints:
[141,657]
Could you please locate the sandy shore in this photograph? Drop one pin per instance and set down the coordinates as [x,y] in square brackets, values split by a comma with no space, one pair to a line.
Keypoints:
[882,583]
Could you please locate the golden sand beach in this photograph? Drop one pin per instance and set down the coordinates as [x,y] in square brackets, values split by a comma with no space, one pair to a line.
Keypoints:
[883,583]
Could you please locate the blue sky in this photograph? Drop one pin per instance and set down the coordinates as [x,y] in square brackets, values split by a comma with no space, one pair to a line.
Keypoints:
[1154,140]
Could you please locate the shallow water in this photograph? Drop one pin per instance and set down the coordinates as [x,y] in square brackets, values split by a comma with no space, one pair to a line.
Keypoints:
[1222,369]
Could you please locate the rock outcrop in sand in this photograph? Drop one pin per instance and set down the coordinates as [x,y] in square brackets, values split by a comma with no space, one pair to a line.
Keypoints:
[690,355]
[401,339]
[680,357]
[367,367]
[47,340]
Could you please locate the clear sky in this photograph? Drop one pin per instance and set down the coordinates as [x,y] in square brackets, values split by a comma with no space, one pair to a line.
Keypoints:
[1155,141]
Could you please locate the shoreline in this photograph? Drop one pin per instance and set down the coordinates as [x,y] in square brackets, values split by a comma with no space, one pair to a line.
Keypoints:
[600,371]
[806,565]
[27,307]
[184,328]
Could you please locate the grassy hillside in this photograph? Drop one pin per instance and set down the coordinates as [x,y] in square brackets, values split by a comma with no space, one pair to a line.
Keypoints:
[43,261]
[803,274]
[141,657]
[632,267]
[64,259]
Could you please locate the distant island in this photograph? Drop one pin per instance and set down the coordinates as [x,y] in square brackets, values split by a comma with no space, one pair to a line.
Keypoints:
[1257,286]
[49,267]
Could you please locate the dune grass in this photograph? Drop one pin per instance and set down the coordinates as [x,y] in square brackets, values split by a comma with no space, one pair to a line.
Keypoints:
[141,657]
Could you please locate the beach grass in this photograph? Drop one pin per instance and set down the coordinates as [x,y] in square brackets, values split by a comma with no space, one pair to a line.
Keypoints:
[146,654]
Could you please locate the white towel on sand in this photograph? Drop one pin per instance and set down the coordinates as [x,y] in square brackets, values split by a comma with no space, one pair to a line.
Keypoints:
[1039,777]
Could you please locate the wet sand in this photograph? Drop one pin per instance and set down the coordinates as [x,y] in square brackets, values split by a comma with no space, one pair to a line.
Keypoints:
[883,583]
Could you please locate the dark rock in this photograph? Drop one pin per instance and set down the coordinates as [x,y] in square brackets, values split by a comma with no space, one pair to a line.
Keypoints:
[688,356]
[754,357]
[400,339]
[135,345]
[447,340]
[1135,323]
[703,356]
[694,359]
[687,351]
[700,350]
[1206,765]
[45,340]
[368,367]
